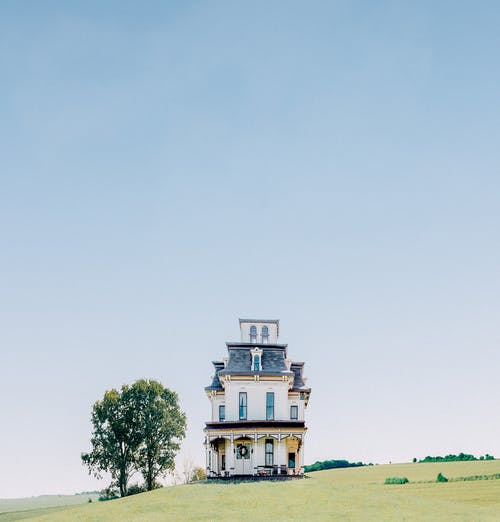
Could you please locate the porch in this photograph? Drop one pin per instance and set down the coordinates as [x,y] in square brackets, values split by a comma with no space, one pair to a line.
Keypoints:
[254,456]
[252,478]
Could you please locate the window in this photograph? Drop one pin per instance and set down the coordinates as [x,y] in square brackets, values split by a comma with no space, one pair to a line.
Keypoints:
[253,334]
[265,334]
[256,359]
[294,412]
[223,462]
[269,452]
[243,405]
[222,413]
[291,460]
[269,405]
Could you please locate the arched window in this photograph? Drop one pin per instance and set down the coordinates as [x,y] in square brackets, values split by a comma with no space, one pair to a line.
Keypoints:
[253,334]
[256,361]
[265,334]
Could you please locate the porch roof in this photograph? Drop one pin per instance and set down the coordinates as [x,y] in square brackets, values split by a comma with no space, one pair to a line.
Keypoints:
[245,424]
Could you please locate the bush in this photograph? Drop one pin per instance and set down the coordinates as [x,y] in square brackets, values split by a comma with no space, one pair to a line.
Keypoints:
[198,474]
[396,480]
[109,493]
[441,478]
[134,489]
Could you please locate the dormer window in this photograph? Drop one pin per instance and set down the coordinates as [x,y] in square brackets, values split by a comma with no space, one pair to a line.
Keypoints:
[265,334]
[256,359]
[253,334]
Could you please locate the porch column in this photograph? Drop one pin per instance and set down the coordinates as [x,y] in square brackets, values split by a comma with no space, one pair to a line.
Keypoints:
[279,452]
[254,455]
[207,449]
[231,456]
[298,465]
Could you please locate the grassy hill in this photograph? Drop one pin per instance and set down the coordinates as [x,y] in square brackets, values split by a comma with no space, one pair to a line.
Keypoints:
[29,507]
[340,494]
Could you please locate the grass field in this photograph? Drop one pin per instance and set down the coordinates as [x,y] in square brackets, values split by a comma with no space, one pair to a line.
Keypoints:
[24,508]
[342,494]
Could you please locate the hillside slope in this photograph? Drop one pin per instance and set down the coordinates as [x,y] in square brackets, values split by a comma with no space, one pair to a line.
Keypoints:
[343,494]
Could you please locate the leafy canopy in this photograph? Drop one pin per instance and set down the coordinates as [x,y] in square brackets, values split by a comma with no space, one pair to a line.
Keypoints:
[137,429]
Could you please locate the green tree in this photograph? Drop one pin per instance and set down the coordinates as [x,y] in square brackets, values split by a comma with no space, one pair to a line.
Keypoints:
[161,425]
[198,474]
[137,429]
[114,440]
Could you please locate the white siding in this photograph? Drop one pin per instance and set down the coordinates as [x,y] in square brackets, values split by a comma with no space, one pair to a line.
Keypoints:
[256,399]
[272,328]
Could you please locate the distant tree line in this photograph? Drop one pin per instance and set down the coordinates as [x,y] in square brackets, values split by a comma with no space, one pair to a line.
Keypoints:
[331,464]
[455,458]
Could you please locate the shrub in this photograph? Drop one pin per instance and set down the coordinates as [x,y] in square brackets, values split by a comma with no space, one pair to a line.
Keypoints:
[198,474]
[134,489]
[109,493]
[396,480]
[441,478]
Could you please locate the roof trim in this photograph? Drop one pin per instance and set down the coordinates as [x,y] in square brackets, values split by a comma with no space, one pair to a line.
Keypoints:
[251,374]
[272,321]
[276,321]
[254,424]
[236,344]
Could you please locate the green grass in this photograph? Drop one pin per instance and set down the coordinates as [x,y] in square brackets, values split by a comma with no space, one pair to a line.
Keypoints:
[30,507]
[339,494]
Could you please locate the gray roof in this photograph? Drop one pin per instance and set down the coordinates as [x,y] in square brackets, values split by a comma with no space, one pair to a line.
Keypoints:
[240,359]
[298,381]
[216,385]
[273,362]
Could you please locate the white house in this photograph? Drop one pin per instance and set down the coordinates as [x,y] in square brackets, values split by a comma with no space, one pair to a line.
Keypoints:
[258,399]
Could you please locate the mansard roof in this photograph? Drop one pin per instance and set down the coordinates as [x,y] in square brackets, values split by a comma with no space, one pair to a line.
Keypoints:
[240,358]
[298,381]
[239,362]
[216,385]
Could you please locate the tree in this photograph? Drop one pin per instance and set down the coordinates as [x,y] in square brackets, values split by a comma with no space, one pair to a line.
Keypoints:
[199,473]
[137,429]
[115,440]
[161,426]
[187,471]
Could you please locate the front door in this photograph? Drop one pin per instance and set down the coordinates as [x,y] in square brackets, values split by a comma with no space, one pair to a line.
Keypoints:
[243,465]
[291,460]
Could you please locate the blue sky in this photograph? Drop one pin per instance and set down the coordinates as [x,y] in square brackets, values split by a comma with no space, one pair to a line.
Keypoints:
[169,167]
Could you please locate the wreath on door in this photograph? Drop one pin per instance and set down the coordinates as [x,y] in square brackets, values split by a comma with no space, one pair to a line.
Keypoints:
[243,451]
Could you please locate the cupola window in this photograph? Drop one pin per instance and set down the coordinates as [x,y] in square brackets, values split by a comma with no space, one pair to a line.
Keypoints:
[265,334]
[253,334]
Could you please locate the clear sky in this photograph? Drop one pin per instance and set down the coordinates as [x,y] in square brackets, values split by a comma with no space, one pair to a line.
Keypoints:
[168,167]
